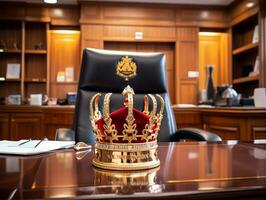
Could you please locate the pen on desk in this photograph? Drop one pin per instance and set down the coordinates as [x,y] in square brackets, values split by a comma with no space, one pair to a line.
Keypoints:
[44,139]
[38,143]
[24,142]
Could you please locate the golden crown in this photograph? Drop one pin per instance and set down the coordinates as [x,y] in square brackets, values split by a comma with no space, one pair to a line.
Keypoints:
[126,139]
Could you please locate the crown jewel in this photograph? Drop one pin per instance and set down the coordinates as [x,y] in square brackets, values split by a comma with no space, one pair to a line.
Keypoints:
[127,137]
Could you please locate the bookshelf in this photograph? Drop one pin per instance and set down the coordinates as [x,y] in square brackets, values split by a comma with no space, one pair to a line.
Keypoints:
[10,53]
[245,51]
[24,43]
[35,77]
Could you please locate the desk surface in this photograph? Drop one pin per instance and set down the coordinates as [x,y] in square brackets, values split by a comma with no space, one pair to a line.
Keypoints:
[195,170]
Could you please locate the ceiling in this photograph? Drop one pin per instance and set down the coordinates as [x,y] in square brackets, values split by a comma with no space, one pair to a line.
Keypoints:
[196,2]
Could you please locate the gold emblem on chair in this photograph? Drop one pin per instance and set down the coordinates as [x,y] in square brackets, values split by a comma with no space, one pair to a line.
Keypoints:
[126,68]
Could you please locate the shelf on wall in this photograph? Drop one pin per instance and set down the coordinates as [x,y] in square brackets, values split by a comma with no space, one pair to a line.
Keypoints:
[35,80]
[245,48]
[67,82]
[33,51]
[10,51]
[245,79]
[10,80]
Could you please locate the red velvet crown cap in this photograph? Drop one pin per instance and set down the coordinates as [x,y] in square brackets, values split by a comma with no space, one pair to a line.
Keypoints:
[119,119]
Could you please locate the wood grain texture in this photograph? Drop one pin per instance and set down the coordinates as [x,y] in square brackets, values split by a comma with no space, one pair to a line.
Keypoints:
[186,60]
[25,125]
[65,52]
[153,15]
[91,36]
[229,123]
[262,41]
[225,127]
[55,118]
[65,15]
[194,170]
[239,11]
[244,53]
[4,126]
[127,33]
[213,50]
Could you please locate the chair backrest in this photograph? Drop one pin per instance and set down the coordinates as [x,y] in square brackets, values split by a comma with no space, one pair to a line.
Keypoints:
[98,74]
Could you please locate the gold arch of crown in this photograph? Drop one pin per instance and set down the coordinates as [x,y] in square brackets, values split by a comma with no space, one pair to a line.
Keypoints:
[129,133]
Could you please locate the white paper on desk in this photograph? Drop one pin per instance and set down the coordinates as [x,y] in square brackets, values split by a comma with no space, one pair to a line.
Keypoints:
[12,147]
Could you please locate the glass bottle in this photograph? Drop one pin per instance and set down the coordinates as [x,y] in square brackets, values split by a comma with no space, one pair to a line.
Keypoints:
[210,85]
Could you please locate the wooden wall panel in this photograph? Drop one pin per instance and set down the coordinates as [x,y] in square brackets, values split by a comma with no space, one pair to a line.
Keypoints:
[188,92]
[127,14]
[91,36]
[17,9]
[153,15]
[187,34]
[67,15]
[202,16]
[90,14]
[186,60]
[36,13]
[127,33]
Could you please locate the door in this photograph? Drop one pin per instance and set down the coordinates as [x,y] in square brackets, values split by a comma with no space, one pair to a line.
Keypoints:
[64,60]
[213,50]
[166,48]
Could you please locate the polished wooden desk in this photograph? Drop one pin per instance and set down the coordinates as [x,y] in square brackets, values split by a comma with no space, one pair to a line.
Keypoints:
[229,170]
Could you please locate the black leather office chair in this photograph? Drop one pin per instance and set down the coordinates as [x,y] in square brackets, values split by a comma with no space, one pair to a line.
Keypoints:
[98,74]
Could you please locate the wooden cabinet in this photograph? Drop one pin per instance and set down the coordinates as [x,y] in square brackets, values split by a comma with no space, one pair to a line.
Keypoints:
[229,123]
[245,51]
[17,122]
[258,128]
[24,125]
[4,126]
[55,118]
[223,126]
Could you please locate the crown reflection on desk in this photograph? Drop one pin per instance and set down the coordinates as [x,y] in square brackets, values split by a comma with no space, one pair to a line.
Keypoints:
[127,182]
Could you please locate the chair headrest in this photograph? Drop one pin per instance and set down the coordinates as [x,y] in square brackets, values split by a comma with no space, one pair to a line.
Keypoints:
[99,71]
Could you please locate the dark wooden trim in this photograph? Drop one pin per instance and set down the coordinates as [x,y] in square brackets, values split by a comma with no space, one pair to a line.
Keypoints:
[262,42]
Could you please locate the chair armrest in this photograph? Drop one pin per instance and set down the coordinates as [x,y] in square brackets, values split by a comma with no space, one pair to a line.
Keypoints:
[194,134]
[64,134]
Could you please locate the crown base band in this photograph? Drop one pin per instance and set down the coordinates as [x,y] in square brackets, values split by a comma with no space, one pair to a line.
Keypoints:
[127,147]
[125,160]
